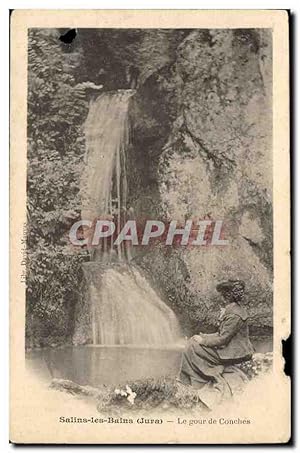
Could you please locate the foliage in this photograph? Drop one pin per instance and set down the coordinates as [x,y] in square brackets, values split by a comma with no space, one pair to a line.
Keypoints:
[56,111]
[260,363]
[164,394]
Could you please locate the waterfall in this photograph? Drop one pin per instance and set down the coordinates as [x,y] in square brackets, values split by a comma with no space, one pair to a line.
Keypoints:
[125,309]
[104,183]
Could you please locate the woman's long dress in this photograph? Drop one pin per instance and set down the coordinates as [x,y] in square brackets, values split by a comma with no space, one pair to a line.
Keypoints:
[207,362]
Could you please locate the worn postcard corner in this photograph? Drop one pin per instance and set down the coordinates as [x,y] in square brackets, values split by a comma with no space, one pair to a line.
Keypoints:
[150,213]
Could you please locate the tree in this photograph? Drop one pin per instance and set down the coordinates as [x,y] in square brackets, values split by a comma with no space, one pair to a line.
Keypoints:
[56,112]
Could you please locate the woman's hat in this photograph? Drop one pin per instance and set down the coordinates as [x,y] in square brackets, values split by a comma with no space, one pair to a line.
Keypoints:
[230,286]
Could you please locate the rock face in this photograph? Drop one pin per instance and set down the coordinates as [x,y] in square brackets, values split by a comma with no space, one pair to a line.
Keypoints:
[202,141]
[201,147]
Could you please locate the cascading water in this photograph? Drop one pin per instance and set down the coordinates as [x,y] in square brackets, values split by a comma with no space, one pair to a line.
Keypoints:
[124,307]
[104,184]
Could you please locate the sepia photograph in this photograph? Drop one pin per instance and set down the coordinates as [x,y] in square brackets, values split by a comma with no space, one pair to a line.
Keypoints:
[146,254]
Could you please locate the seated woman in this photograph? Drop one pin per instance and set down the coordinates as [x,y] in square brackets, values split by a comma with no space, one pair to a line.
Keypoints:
[207,355]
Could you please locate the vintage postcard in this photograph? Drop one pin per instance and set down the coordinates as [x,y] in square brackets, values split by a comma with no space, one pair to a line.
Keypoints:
[150,217]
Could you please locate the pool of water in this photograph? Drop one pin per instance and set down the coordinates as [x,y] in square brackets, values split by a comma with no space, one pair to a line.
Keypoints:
[96,365]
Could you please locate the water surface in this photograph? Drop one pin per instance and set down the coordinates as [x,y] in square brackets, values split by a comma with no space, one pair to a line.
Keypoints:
[96,365]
